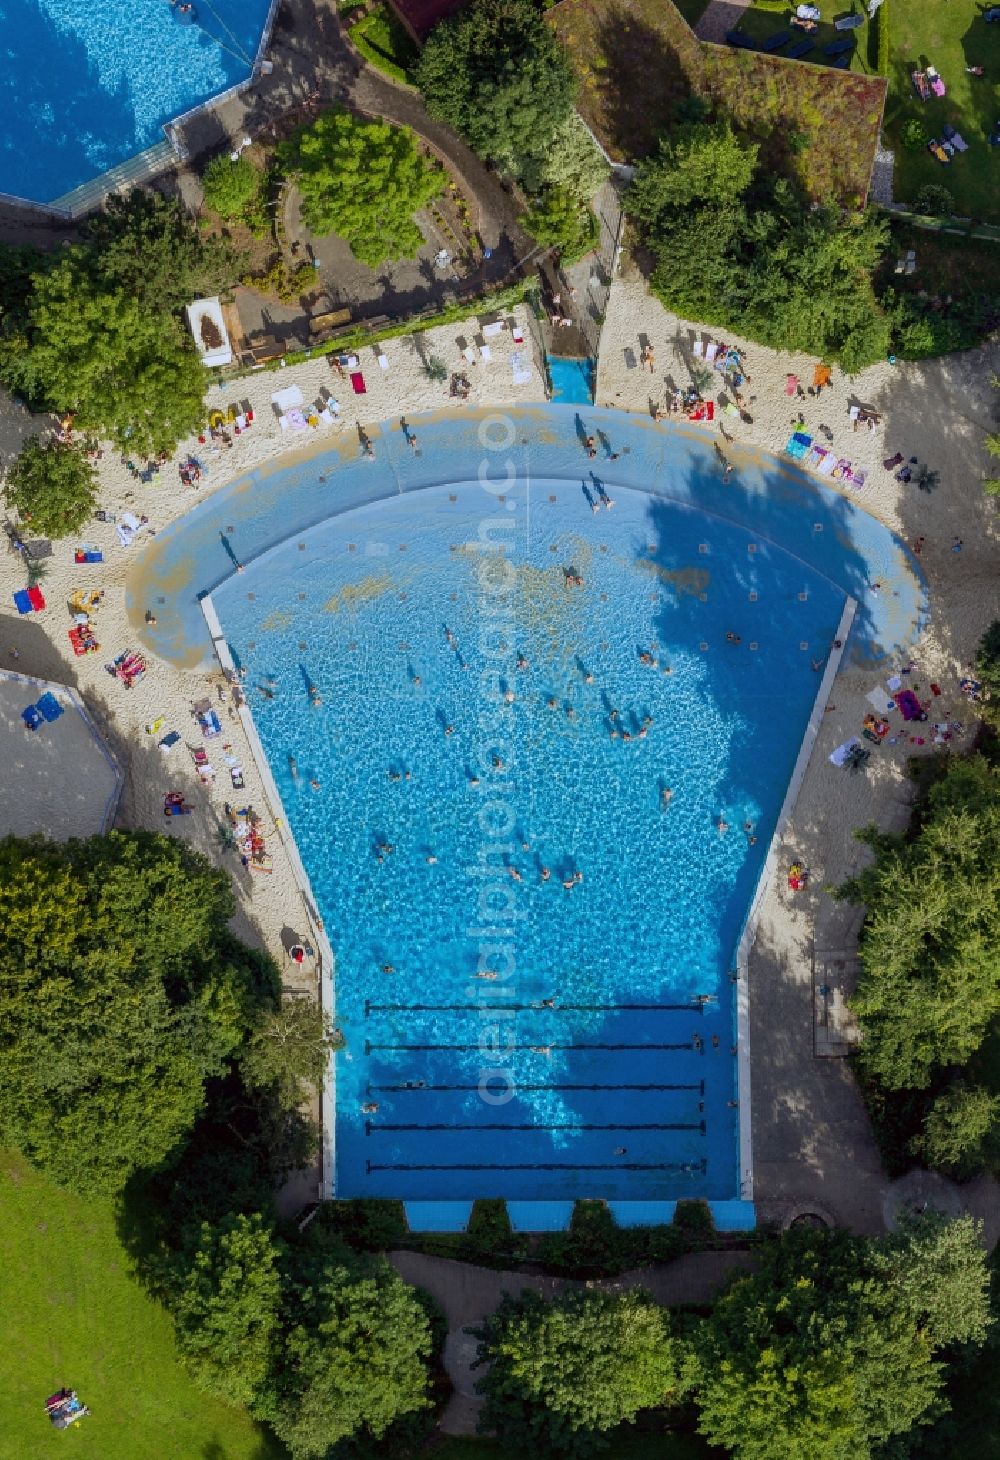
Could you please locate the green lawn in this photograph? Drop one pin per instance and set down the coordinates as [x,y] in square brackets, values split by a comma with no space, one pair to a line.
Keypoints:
[762,23]
[72,1314]
[950,37]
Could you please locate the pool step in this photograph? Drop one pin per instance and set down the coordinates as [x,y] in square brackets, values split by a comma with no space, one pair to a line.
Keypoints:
[138,169]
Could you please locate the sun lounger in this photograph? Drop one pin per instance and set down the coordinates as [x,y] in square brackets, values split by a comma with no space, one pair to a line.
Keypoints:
[842,62]
[358,383]
[21,601]
[383,362]
[711,350]
[801,48]
[837,48]
[32,717]
[520,370]
[698,349]
[35,598]
[740,38]
[848,22]
[517,335]
[921,85]
[50,706]
[776,41]
[486,353]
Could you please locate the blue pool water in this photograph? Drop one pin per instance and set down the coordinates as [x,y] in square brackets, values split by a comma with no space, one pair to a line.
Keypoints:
[476,1086]
[572,380]
[663,894]
[85,84]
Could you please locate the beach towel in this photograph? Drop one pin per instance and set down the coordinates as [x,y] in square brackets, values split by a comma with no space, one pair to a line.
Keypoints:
[517,335]
[35,597]
[50,706]
[798,444]
[816,455]
[825,467]
[880,701]
[699,349]
[31,717]
[88,555]
[131,521]
[285,399]
[489,330]
[520,370]
[358,383]
[710,353]
[821,376]
[486,353]
[858,477]
[169,741]
[293,420]
[909,705]
[791,384]
[210,725]
[842,470]
[22,602]
[841,755]
[469,354]
[891,461]
[630,360]
[383,361]
[236,775]
[126,535]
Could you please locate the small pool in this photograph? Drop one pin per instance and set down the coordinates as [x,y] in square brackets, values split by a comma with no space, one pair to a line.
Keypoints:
[86,84]
[572,380]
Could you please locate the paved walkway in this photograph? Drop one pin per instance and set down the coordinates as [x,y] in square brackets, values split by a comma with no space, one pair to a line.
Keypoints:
[468,1294]
[721,15]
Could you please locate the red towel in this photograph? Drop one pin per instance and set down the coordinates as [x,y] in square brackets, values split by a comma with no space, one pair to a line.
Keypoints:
[35,597]
[358,381]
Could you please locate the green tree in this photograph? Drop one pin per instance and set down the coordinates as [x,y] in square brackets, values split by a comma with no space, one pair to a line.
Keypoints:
[497,74]
[559,220]
[354,1359]
[960,1134]
[810,1358]
[563,1373]
[126,371]
[143,244]
[698,163]
[571,163]
[988,658]
[930,945]
[121,992]
[936,1268]
[230,187]
[52,486]
[227,1308]
[363,181]
[290,1048]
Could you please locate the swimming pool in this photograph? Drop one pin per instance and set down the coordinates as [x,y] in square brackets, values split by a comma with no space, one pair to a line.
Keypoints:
[330,544]
[85,85]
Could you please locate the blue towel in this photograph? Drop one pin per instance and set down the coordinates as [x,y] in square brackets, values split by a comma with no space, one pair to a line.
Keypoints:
[21,601]
[50,706]
[31,717]
[798,445]
[93,557]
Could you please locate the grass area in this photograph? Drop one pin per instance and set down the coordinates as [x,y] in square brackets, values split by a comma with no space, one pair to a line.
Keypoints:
[74,1315]
[946,265]
[761,23]
[382,40]
[949,37]
[637,59]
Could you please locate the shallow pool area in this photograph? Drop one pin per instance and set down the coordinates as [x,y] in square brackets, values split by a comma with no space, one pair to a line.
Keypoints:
[86,86]
[572,380]
[513,675]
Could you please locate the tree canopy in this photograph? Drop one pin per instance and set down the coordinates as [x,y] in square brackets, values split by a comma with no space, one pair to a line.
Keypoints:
[811,1358]
[354,1359]
[364,181]
[498,75]
[744,251]
[227,1310]
[121,992]
[936,1269]
[52,486]
[563,1373]
[97,329]
[290,1048]
[930,945]
[559,220]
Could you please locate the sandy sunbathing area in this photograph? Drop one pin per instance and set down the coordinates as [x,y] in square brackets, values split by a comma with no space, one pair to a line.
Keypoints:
[936,411]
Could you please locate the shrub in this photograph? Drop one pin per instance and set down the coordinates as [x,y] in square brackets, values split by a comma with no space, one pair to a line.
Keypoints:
[230,187]
[558,221]
[382,40]
[914,135]
[934,200]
